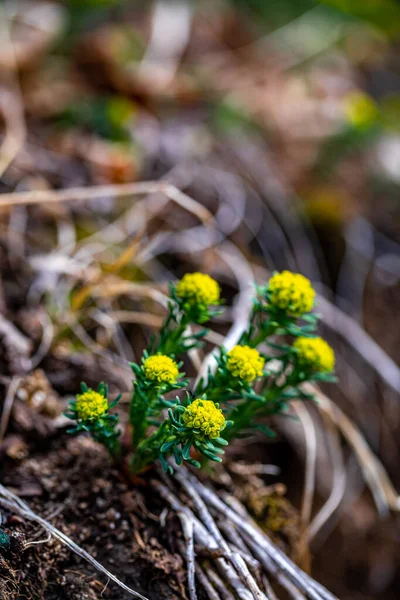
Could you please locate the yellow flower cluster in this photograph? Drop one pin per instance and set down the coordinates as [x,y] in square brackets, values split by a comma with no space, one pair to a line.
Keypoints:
[360,110]
[291,292]
[245,363]
[205,416]
[161,368]
[90,405]
[198,288]
[315,354]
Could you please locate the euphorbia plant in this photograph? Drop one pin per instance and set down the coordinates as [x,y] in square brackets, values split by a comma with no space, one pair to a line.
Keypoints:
[258,377]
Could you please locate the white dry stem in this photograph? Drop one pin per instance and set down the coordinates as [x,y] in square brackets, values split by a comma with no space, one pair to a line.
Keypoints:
[234,557]
[248,542]
[272,569]
[208,588]
[303,581]
[205,538]
[187,528]
[220,585]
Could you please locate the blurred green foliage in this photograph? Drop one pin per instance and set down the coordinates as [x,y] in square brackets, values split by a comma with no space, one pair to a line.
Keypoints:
[229,118]
[109,117]
[391,112]
[383,14]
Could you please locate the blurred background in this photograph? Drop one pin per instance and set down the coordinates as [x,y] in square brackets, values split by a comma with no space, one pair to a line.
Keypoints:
[280,120]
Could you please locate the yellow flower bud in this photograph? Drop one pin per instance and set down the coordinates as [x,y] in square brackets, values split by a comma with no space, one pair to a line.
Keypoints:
[291,292]
[205,416]
[198,288]
[90,405]
[315,354]
[161,368]
[245,363]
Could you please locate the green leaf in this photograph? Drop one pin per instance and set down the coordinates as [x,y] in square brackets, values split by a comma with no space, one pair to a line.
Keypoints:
[167,446]
[165,466]
[70,415]
[221,441]
[210,455]
[193,462]
[177,455]
[135,368]
[186,449]
[266,430]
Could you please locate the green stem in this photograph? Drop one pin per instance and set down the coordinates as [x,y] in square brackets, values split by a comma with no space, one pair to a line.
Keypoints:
[148,449]
[170,341]
[266,330]
[244,415]
[138,414]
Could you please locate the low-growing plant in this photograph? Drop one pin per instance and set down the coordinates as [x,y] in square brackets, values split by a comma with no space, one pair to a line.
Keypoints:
[257,378]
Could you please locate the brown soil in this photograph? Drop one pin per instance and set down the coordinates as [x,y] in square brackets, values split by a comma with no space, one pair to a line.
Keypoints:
[81,493]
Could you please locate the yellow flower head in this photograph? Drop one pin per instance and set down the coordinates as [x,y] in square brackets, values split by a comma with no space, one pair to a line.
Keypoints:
[291,292]
[161,368]
[315,354]
[245,363]
[90,405]
[205,416]
[360,110]
[198,288]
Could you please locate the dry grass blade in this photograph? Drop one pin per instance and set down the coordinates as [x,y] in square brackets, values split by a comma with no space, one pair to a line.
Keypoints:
[13,502]
[361,342]
[123,190]
[14,338]
[339,480]
[11,104]
[374,473]
[311,457]
[8,404]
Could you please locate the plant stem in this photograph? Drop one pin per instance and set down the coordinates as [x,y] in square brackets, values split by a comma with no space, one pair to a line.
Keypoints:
[267,329]
[148,449]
